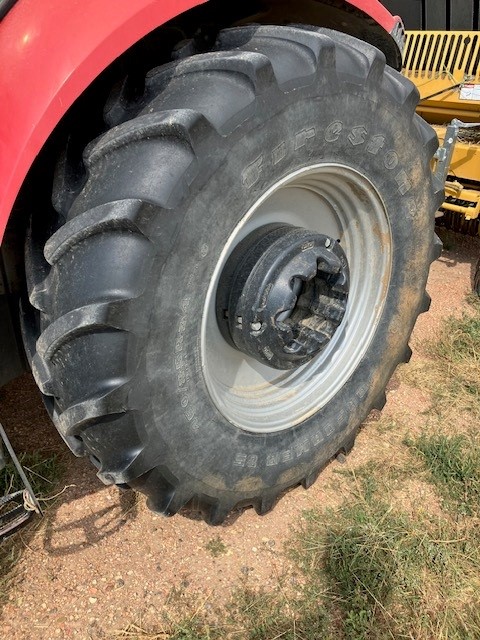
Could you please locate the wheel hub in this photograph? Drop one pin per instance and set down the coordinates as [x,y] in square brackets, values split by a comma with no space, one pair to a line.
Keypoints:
[282,295]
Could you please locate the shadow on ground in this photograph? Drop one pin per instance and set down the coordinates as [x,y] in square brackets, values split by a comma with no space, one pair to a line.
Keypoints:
[31,431]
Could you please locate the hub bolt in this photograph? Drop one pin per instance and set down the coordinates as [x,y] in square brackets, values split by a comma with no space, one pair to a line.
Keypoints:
[282,295]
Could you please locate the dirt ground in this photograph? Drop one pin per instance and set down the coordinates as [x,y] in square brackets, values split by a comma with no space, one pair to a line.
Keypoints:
[100,560]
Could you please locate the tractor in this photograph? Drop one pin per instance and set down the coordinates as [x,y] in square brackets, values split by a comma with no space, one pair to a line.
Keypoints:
[217,222]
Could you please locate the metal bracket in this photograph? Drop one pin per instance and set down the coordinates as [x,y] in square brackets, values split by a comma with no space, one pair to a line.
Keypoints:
[23,503]
[444,153]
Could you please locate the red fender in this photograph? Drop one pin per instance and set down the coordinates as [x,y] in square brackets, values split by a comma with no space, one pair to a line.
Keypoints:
[51,51]
[378,12]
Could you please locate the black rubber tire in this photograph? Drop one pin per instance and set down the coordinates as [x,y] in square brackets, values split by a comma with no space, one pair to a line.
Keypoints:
[132,262]
[476,279]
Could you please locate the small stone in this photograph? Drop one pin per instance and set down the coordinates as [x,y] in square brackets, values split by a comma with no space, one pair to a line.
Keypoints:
[92,600]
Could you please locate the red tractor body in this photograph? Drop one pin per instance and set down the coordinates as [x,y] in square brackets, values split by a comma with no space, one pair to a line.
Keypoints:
[52,51]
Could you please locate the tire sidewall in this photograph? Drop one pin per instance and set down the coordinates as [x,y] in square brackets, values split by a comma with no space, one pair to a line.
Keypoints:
[349,126]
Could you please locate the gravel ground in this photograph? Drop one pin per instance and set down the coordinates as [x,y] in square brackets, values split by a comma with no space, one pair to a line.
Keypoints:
[100,560]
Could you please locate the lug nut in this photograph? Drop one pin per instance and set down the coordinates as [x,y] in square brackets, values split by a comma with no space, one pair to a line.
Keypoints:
[282,295]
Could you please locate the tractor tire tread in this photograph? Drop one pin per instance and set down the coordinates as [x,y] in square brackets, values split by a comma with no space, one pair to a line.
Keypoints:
[247,62]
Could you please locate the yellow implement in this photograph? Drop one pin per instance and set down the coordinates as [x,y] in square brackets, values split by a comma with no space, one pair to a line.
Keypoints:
[445,67]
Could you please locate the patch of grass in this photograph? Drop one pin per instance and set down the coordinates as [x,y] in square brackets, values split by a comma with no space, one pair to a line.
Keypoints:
[216,547]
[361,565]
[454,466]
[452,371]
[354,553]
[251,615]
[279,614]
[385,424]
[188,629]
[386,574]
[193,628]
[43,473]
[378,476]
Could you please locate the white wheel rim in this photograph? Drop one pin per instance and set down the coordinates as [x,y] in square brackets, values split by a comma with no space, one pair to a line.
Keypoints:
[337,201]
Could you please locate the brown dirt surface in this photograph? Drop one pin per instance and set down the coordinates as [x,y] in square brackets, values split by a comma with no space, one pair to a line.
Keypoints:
[100,560]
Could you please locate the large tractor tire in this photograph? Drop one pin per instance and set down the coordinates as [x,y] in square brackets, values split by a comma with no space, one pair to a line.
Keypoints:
[229,293]
[476,279]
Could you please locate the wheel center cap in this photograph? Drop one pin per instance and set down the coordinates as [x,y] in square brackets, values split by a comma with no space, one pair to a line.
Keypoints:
[282,295]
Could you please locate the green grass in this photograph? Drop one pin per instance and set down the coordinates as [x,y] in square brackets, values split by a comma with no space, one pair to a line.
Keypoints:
[458,353]
[278,614]
[386,574]
[454,467]
[216,547]
[187,629]
[250,615]
[451,370]
[43,472]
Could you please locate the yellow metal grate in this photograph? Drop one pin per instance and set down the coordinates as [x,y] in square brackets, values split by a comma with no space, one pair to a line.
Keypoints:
[434,54]
[445,67]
